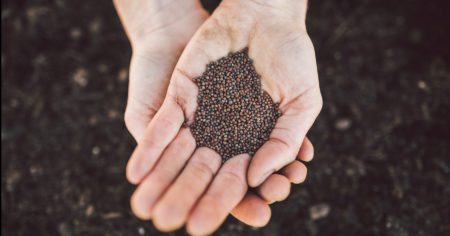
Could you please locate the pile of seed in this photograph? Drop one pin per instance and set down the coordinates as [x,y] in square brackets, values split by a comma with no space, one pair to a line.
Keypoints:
[234,114]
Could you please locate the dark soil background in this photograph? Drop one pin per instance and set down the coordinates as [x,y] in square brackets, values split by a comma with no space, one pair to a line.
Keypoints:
[382,140]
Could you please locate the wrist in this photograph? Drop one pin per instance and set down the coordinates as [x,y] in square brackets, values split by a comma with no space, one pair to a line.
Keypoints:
[288,3]
[140,18]
[294,8]
[285,11]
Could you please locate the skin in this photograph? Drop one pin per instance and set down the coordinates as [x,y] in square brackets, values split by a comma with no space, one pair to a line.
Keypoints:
[166,164]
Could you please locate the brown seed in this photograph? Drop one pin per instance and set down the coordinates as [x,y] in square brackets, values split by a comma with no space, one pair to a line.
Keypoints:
[234,114]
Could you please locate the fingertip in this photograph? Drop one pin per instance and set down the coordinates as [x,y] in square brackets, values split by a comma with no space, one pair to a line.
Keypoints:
[271,157]
[258,171]
[253,211]
[136,122]
[276,188]
[194,227]
[130,173]
[139,164]
[202,222]
[166,219]
[306,152]
[265,218]
[296,172]
[255,177]
[140,207]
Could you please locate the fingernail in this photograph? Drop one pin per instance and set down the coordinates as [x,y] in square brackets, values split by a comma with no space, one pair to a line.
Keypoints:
[264,177]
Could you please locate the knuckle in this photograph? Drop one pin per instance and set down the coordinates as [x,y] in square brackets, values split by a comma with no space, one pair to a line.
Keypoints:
[202,168]
[163,176]
[166,122]
[282,144]
[185,141]
[214,202]
[233,179]
[150,142]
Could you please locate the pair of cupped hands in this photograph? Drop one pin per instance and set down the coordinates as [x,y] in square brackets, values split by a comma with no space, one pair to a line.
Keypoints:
[172,42]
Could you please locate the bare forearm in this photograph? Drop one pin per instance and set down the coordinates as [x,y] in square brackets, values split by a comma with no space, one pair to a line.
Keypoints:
[140,17]
[274,11]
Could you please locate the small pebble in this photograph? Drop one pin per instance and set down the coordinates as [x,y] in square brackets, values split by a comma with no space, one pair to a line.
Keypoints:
[319,211]
[113,114]
[76,33]
[89,211]
[112,215]
[80,77]
[96,150]
[422,85]
[141,230]
[343,124]
[123,75]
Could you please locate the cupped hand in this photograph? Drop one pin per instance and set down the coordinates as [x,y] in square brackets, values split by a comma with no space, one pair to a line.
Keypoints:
[182,183]
[158,31]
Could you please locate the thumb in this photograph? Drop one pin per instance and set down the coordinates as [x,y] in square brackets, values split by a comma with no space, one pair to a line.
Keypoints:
[286,137]
[148,82]
[137,119]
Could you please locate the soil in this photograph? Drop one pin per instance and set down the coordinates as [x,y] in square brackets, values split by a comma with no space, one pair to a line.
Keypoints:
[381,162]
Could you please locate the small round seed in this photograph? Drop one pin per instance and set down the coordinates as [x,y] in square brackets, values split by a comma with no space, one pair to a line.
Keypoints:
[234,114]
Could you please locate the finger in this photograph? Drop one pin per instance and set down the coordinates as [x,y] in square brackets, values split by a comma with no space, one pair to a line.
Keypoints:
[149,76]
[172,210]
[275,188]
[252,210]
[285,140]
[306,152]
[159,133]
[208,44]
[164,173]
[295,172]
[225,192]
[137,119]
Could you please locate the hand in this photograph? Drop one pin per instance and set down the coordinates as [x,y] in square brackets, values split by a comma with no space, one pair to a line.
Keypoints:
[284,56]
[158,36]
[158,32]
